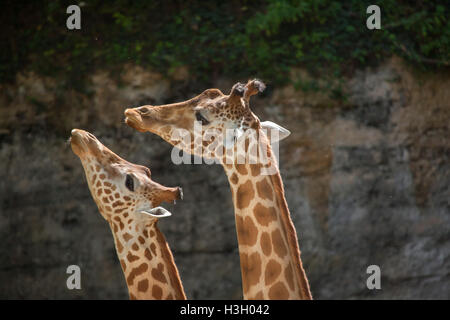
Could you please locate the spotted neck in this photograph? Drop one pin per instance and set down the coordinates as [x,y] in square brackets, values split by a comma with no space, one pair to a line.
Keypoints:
[146,260]
[271,267]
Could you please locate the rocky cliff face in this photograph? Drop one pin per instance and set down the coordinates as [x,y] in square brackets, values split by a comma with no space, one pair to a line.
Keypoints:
[367,182]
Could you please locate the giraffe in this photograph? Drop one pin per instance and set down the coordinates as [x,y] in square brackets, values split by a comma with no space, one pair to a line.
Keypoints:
[129,200]
[271,267]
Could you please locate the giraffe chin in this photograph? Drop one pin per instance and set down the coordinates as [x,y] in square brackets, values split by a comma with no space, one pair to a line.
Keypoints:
[132,123]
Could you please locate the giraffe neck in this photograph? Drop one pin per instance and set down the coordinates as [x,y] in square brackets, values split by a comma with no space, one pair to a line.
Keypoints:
[146,260]
[271,267]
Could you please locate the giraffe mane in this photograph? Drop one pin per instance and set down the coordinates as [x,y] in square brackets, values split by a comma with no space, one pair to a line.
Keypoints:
[291,235]
[175,279]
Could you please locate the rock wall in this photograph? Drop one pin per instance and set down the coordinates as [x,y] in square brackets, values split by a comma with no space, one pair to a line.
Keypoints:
[367,182]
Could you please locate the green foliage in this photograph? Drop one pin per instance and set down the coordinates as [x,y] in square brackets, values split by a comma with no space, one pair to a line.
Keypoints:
[238,39]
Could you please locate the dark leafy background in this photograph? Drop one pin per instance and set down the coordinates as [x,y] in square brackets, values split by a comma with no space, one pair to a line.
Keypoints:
[231,38]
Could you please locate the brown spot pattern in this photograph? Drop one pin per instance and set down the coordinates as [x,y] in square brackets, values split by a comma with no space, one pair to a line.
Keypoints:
[278,292]
[158,274]
[136,272]
[117,203]
[264,189]
[153,248]
[278,244]
[131,257]
[244,195]
[266,243]
[241,168]
[123,264]
[127,236]
[147,254]
[156,292]
[234,178]
[251,270]
[142,285]
[273,270]
[264,215]
[289,275]
[246,230]
[119,246]
[255,169]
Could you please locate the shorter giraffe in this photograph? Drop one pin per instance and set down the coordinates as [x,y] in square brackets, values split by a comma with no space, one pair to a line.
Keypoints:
[129,200]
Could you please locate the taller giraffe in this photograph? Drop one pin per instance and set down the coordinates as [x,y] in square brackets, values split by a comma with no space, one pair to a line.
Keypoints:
[270,261]
[129,201]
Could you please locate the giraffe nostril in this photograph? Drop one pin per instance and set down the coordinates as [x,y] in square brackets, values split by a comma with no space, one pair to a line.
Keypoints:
[90,135]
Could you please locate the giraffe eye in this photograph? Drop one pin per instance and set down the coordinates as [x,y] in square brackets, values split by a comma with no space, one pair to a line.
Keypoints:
[201,118]
[129,182]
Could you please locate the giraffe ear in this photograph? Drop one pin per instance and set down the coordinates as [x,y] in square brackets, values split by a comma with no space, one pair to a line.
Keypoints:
[158,212]
[237,92]
[275,132]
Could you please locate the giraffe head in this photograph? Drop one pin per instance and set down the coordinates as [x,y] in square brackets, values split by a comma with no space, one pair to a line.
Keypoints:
[118,186]
[222,120]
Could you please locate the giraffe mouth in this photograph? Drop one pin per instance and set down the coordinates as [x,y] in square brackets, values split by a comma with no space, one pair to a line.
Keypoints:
[157,212]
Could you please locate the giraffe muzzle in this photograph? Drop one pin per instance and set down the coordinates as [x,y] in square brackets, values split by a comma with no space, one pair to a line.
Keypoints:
[133,119]
[179,195]
[77,141]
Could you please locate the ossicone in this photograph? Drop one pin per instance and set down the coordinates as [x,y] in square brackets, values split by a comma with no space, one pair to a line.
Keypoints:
[253,87]
[237,90]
